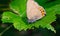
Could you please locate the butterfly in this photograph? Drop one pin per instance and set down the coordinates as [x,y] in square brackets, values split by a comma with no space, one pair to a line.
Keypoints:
[34,11]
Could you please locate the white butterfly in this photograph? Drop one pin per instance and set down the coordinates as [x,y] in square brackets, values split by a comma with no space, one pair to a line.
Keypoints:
[34,11]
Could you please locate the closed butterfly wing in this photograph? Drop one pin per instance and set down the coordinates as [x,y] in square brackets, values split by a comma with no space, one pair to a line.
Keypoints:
[34,11]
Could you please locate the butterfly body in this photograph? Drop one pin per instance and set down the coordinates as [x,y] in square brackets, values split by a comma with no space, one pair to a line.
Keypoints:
[34,11]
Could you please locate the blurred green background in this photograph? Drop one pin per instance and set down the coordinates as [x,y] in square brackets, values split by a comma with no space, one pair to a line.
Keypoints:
[37,31]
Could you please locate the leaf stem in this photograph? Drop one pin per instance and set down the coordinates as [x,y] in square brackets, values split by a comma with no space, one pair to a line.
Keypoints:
[5,30]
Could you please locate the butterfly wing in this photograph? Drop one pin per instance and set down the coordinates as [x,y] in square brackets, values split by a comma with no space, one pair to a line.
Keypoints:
[34,11]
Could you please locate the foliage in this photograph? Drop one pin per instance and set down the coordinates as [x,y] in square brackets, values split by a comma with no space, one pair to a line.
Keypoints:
[19,20]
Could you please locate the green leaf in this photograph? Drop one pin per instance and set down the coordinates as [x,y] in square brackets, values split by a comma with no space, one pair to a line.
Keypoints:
[20,23]
[57,9]
[18,6]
